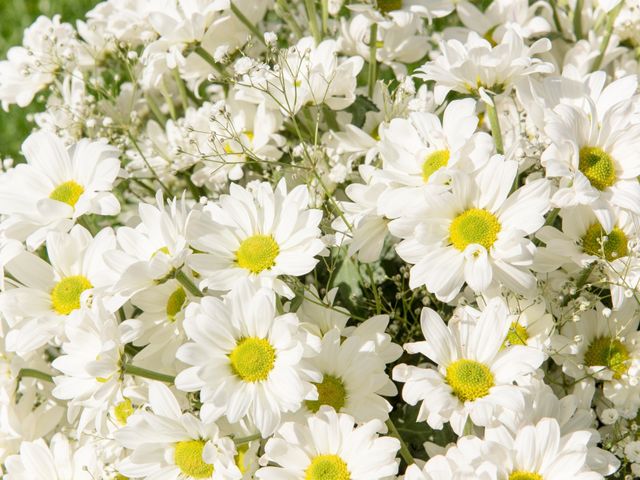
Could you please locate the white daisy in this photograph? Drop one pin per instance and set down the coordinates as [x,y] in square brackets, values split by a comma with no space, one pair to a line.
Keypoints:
[256,234]
[56,186]
[47,293]
[476,233]
[59,459]
[172,445]
[246,360]
[474,372]
[329,445]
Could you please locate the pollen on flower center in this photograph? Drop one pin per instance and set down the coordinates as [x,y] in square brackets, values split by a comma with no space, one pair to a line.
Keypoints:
[386,6]
[521,475]
[65,296]
[327,467]
[597,165]
[252,359]
[188,458]
[257,253]
[517,335]
[469,379]
[330,392]
[434,162]
[609,246]
[122,411]
[175,303]
[475,225]
[67,192]
[607,352]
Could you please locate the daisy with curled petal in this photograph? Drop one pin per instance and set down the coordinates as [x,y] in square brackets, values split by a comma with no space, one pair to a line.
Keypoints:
[56,186]
[475,233]
[59,459]
[474,373]
[245,359]
[172,445]
[256,234]
[48,293]
[328,446]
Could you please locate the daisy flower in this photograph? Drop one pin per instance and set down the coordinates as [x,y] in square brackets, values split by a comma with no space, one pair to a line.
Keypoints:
[172,445]
[57,185]
[476,233]
[256,234]
[416,150]
[329,445]
[48,293]
[59,459]
[245,359]
[476,66]
[474,373]
[592,152]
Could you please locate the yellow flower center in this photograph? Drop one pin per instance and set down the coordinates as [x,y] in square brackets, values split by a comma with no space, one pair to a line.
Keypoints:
[517,335]
[67,192]
[469,379]
[119,476]
[597,165]
[520,475]
[188,458]
[387,6]
[434,162]
[330,392]
[65,296]
[609,246]
[327,467]
[607,352]
[122,411]
[257,253]
[240,458]
[175,303]
[475,225]
[252,359]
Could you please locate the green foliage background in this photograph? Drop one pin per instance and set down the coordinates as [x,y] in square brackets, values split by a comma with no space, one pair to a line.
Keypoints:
[15,16]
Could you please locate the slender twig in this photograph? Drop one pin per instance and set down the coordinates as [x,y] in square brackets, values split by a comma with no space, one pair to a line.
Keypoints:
[33,373]
[611,19]
[206,56]
[577,19]
[150,374]
[495,127]
[184,97]
[404,450]
[373,62]
[310,6]
[188,284]
[252,28]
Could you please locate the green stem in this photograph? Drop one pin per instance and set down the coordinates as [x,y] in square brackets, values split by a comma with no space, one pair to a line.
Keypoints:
[611,19]
[373,62]
[188,284]
[242,440]
[150,374]
[283,12]
[580,282]
[556,17]
[167,98]
[404,450]
[495,128]
[33,373]
[577,19]
[184,98]
[252,28]
[206,56]
[310,6]
[160,117]
[325,16]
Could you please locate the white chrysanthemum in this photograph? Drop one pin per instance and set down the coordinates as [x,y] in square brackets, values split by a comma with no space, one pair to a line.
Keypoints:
[246,360]
[476,66]
[91,363]
[604,348]
[256,234]
[417,150]
[172,445]
[330,446]
[59,459]
[56,186]
[476,233]
[474,373]
[592,151]
[48,293]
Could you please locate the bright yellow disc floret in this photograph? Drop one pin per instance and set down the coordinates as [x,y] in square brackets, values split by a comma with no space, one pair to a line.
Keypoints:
[607,352]
[67,192]
[188,458]
[521,475]
[609,246]
[175,302]
[257,253]
[598,166]
[434,162]
[65,296]
[253,359]
[327,467]
[475,225]
[331,392]
[469,379]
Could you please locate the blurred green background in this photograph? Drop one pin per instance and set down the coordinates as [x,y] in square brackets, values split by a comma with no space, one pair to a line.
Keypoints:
[15,16]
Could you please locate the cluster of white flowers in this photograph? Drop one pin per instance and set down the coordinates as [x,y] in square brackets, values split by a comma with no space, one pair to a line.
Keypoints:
[324,240]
